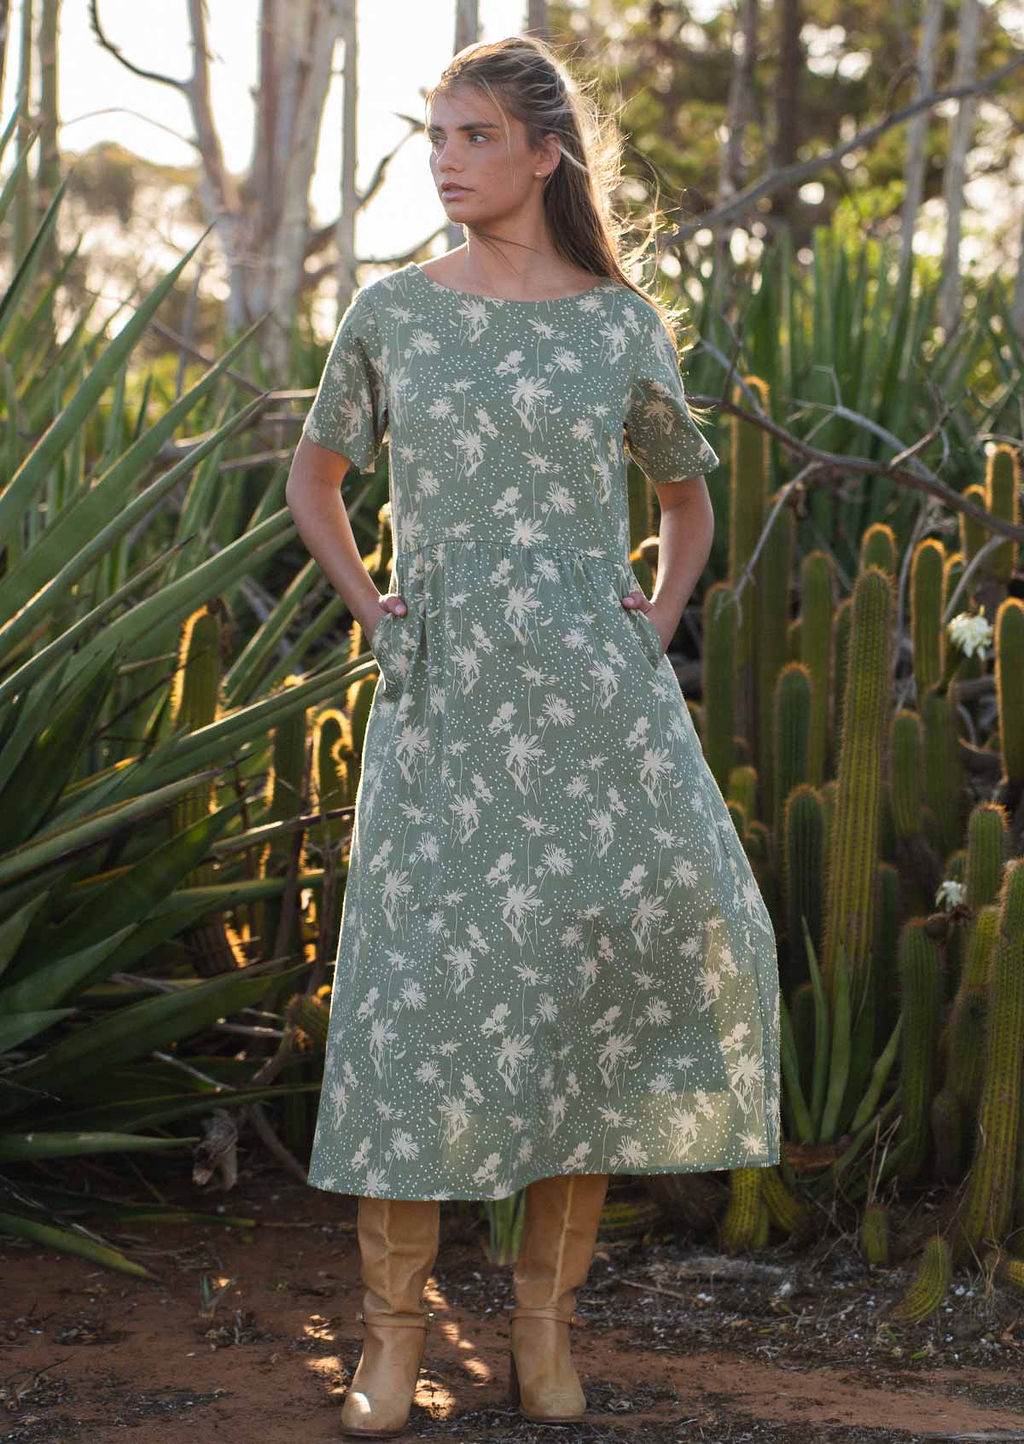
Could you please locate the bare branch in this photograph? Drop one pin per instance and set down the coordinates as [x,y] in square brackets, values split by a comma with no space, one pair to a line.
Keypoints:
[118,54]
[830,466]
[791,175]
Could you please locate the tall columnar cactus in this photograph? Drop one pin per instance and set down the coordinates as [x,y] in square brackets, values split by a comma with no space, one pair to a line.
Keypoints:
[792,728]
[1009,640]
[738,1229]
[921,989]
[992,1184]
[874,1234]
[841,625]
[906,779]
[803,837]
[973,535]
[817,601]
[878,548]
[944,782]
[774,569]
[853,857]
[211,945]
[287,799]
[929,1285]
[926,631]
[718,664]
[885,950]
[742,789]
[964,1039]
[194,703]
[1002,492]
[335,777]
[750,465]
[988,848]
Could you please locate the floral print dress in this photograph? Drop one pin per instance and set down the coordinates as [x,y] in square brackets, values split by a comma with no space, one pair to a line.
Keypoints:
[553,956]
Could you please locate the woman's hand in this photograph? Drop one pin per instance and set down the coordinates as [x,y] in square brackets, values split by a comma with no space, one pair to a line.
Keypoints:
[637,601]
[391,602]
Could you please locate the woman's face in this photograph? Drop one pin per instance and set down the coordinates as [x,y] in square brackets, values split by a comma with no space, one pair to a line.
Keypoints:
[470,148]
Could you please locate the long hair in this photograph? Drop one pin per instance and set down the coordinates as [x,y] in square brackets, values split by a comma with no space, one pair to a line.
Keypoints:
[525,79]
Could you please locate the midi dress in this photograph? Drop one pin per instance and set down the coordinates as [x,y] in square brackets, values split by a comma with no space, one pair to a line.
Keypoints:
[553,955]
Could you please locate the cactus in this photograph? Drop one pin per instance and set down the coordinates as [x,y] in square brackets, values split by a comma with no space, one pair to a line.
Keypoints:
[947,1135]
[719,680]
[884,952]
[762,1229]
[874,1234]
[738,1228]
[944,783]
[992,1183]
[965,1034]
[841,624]
[973,535]
[906,782]
[929,1285]
[878,548]
[782,1206]
[792,726]
[926,573]
[311,1015]
[742,789]
[1002,488]
[803,856]
[988,847]
[1009,642]
[211,945]
[750,460]
[817,597]
[921,987]
[774,569]
[853,857]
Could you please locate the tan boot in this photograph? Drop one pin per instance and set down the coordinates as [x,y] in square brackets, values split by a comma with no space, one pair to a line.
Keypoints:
[559,1233]
[398,1243]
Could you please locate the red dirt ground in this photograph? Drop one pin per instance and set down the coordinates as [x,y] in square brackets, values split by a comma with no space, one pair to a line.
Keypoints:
[796,1349]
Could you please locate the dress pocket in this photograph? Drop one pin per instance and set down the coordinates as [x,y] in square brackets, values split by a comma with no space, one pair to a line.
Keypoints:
[380,644]
[648,636]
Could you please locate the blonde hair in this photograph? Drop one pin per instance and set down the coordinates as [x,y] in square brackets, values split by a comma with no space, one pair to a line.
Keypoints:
[525,79]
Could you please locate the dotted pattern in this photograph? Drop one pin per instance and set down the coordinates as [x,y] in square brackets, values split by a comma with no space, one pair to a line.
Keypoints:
[553,954]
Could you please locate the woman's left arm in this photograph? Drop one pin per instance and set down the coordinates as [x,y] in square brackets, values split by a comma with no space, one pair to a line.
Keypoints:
[684,544]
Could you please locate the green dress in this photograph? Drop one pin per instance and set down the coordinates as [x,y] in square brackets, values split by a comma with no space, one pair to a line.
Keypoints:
[553,956]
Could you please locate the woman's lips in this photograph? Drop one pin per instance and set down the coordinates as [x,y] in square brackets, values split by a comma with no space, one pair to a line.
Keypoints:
[449,193]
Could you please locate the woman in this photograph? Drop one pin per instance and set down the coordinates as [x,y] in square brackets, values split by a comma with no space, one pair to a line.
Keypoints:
[554,961]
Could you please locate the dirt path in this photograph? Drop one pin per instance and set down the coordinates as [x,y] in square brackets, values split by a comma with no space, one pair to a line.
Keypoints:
[795,1351]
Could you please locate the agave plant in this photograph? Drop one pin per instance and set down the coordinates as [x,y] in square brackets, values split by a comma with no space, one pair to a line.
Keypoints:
[133,773]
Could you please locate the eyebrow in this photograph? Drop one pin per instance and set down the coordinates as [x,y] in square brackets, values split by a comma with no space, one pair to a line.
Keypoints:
[470,125]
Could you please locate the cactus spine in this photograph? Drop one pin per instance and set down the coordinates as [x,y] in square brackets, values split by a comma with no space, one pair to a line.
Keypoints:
[988,1208]
[854,851]
[926,581]
[739,1225]
[929,1285]
[921,985]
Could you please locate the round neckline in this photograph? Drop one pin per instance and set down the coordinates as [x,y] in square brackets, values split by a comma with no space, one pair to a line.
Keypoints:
[509,300]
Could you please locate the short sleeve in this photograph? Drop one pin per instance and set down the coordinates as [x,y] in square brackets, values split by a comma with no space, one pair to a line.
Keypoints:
[661,433]
[349,412]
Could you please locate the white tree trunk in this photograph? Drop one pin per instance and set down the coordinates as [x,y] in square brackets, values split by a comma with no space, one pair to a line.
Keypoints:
[964,73]
[739,113]
[917,131]
[345,229]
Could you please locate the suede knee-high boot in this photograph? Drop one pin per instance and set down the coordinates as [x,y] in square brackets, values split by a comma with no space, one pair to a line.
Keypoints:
[557,1247]
[398,1243]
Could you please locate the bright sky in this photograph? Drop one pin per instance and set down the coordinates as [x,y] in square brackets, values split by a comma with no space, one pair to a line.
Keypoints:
[396,60]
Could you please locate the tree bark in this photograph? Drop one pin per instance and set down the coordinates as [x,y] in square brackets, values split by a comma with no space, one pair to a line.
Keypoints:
[955,178]
[917,133]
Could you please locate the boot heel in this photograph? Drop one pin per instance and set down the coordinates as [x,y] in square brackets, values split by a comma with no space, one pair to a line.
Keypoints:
[512,1397]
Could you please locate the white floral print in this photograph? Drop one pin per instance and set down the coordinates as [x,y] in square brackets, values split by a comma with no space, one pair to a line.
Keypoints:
[554,956]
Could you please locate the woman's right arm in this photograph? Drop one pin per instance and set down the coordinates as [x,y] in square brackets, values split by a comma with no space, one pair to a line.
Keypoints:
[313,496]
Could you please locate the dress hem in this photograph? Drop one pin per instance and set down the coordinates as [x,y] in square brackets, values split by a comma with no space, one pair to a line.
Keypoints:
[768,1161]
